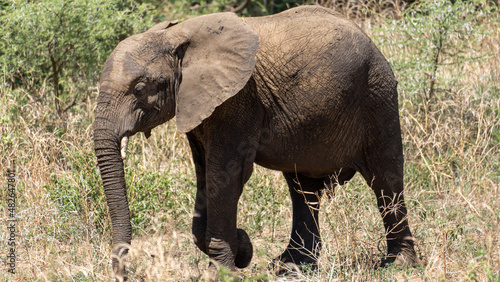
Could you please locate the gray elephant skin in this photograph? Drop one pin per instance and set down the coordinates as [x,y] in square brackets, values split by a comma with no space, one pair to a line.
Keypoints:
[304,92]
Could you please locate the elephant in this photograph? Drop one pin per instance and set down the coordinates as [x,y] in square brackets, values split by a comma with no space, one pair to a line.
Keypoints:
[305,92]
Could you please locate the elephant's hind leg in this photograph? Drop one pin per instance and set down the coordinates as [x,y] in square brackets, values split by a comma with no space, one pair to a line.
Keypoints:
[392,207]
[305,241]
[383,163]
[385,176]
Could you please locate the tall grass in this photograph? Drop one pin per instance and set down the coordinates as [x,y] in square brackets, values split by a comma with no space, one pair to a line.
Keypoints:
[452,177]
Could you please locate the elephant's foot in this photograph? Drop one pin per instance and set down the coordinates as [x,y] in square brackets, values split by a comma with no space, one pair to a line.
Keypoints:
[245,250]
[222,259]
[119,270]
[401,254]
[294,261]
[117,259]
[222,253]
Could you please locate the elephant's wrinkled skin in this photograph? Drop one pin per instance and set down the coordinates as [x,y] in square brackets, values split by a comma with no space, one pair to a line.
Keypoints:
[305,92]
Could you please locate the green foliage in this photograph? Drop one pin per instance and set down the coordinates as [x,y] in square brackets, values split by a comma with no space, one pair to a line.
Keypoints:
[180,10]
[435,33]
[440,54]
[150,195]
[273,199]
[63,43]
[189,8]
[276,6]
[79,192]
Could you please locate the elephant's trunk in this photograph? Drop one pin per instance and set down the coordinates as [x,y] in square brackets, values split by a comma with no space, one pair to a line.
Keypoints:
[108,152]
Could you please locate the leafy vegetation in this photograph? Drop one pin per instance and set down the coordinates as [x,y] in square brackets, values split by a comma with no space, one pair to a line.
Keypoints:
[445,56]
[64,43]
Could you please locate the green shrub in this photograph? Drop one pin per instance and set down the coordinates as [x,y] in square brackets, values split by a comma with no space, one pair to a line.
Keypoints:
[78,192]
[443,57]
[63,43]
[433,34]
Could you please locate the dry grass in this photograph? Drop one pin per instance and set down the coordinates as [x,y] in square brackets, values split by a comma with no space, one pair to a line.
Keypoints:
[452,181]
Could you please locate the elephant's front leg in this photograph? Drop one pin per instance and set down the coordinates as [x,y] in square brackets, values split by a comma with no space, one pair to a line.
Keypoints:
[226,244]
[199,228]
[200,206]
[219,185]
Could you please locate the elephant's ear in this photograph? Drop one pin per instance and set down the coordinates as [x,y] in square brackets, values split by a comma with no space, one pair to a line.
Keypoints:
[218,60]
[162,25]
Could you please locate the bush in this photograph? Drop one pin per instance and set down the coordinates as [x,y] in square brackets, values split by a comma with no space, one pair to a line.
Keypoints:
[443,55]
[63,43]
[434,34]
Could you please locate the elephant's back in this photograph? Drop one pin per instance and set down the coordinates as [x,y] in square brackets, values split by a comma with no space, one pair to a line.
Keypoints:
[310,54]
[310,46]
[313,26]
[300,15]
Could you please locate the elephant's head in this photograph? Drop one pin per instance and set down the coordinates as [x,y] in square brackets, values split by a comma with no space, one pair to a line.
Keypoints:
[184,70]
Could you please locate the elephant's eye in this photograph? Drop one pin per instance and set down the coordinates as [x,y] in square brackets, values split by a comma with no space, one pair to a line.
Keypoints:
[140,89]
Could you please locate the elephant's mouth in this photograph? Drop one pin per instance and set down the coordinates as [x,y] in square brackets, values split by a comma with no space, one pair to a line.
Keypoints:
[145,121]
[124,143]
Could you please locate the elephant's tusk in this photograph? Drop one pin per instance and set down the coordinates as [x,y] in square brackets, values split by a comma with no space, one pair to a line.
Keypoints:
[123,146]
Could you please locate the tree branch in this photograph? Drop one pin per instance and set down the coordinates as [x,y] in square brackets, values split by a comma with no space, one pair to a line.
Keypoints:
[240,8]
